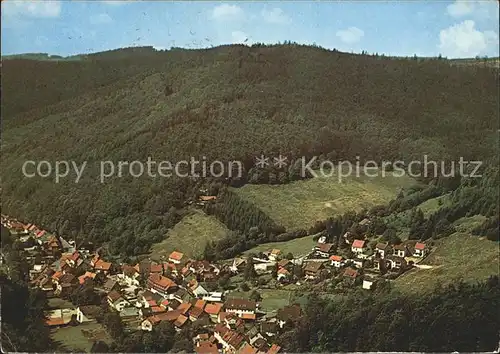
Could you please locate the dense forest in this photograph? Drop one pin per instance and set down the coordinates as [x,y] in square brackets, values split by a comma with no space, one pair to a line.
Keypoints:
[224,103]
[459,317]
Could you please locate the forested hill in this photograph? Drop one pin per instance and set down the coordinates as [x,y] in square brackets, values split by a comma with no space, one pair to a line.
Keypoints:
[229,102]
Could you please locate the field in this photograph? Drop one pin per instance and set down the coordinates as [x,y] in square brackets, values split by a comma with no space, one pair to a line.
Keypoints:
[72,337]
[272,299]
[190,235]
[296,246]
[301,203]
[460,255]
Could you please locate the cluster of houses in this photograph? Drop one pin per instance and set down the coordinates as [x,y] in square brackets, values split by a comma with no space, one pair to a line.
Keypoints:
[175,290]
[149,293]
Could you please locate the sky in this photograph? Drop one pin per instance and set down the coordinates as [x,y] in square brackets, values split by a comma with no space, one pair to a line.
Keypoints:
[454,29]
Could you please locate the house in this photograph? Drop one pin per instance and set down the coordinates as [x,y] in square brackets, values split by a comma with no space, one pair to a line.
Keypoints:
[197,289]
[116,301]
[324,249]
[358,246]
[180,321]
[67,282]
[176,257]
[88,313]
[184,307]
[110,285]
[60,317]
[213,310]
[248,349]
[312,269]
[240,306]
[395,262]
[358,262]
[230,340]
[382,249]
[215,296]
[270,329]
[206,348]
[274,349]
[351,274]
[283,274]
[337,261]
[238,265]
[274,254]
[400,250]
[130,275]
[420,250]
[367,284]
[285,263]
[129,314]
[150,322]
[160,284]
[288,314]
[195,313]
[102,267]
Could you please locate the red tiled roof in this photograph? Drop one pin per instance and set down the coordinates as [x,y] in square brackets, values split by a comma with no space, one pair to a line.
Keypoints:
[283,271]
[152,302]
[102,265]
[157,309]
[176,255]
[179,322]
[200,303]
[161,281]
[358,243]
[349,272]
[196,312]
[420,246]
[336,258]
[58,321]
[274,349]
[248,349]
[213,309]
[184,307]
[206,348]
[248,316]
[156,268]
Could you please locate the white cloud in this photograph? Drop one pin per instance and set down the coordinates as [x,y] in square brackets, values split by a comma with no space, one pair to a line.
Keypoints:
[100,19]
[239,37]
[460,8]
[350,35]
[226,12]
[474,9]
[276,16]
[36,8]
[464,40]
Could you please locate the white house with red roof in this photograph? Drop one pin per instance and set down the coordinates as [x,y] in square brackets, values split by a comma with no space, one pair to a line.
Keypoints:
[358,246]
[337,261]
[420,250]
[176,257]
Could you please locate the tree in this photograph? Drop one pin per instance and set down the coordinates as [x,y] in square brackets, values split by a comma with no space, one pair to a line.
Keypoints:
[244,287]
[255,296]
[249,272]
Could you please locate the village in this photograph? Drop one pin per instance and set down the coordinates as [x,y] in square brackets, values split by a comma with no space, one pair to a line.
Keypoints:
[191,292]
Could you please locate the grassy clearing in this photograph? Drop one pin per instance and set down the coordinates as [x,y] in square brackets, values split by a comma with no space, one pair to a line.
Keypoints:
[301,203]
[73,338]
[434,204]
[460,255]
[296,246]
[190,235]
[274,299]
[467,224]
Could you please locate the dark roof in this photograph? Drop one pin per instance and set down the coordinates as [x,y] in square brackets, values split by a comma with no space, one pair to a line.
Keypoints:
[240,304]
[382,246]
[109,284]
[313,266]
[91,311]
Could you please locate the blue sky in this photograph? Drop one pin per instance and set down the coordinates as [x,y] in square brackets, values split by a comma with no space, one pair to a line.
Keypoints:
[426,28]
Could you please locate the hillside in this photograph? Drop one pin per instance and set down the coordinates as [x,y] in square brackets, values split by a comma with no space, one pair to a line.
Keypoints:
[225,103]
